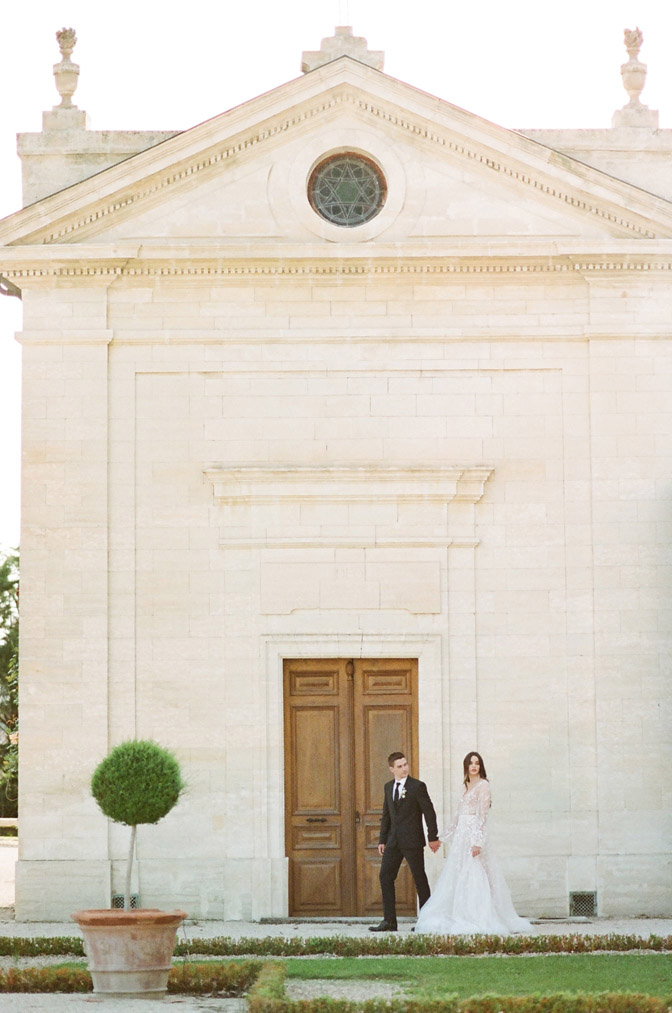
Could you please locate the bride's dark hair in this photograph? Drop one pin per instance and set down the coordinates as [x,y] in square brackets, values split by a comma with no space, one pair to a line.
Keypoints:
[465,766]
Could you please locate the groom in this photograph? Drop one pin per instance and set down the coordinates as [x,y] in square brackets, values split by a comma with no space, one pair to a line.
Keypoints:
[402,836]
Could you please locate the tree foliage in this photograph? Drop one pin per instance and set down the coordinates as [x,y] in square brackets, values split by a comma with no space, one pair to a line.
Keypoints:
[138,782]
[9,682]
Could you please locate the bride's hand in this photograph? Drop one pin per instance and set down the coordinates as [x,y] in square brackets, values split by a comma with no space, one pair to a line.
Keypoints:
[475,851]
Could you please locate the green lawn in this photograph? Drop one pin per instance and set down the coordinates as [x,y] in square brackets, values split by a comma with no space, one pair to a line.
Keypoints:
[432,977]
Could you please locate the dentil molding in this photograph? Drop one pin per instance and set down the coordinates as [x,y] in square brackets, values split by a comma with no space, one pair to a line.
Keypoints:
[36,263]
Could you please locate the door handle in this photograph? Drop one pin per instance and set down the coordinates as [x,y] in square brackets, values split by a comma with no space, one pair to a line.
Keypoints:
[358,818]
[316,819]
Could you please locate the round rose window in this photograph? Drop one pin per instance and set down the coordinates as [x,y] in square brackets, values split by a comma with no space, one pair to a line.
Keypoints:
[347,189]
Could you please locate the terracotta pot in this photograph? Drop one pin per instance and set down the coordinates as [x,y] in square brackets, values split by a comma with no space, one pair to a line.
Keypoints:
[129,952]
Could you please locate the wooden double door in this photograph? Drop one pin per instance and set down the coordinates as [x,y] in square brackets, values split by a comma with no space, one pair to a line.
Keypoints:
[343,718]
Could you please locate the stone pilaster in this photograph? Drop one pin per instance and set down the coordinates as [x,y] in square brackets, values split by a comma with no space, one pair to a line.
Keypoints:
[63,601]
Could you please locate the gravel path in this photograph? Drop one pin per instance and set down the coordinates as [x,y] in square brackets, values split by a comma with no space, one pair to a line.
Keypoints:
[44,960]
[290,928]
[355,991]
[74,1003]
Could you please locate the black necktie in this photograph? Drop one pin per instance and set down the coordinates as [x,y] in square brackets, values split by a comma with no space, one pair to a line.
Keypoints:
[396,791]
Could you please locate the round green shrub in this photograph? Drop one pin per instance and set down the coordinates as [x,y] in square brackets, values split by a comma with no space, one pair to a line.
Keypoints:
[139,782]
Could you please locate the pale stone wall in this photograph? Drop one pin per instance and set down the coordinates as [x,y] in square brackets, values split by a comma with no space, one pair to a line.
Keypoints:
[64,627]
[632,525]
[545,645]
[57,158]
[640,156]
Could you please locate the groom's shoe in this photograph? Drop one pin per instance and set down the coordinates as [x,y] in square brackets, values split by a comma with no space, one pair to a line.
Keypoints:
[384,927]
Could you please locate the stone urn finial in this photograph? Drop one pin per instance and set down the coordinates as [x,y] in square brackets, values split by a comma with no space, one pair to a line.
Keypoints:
[66,72]
[67,40]
[633,73]
[633,42]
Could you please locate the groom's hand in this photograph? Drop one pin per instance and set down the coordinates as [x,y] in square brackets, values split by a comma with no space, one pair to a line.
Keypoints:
[381,849]
[434,846]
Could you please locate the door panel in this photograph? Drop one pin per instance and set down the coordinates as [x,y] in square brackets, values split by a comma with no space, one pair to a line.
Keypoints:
[317,886]
[342,719]
[315,734]
[319,807]
[314,838]
[380,726]
[385,707]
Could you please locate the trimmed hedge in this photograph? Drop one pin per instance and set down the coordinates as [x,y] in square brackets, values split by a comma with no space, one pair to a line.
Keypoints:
[420,946]
[231,979]
[227,980]
[45,979]
[267,995]
[607,1002]
[41,946]
[269,989]
[354,946]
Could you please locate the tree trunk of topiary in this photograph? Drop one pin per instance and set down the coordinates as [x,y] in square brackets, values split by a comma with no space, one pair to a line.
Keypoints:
[129,868]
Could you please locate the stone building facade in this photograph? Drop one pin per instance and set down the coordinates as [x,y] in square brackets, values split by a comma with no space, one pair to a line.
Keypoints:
[315,463]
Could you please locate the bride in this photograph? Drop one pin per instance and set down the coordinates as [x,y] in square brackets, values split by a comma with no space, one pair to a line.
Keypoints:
[471,894]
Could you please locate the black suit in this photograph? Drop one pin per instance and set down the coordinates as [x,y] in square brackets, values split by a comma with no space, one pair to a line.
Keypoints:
[402,833]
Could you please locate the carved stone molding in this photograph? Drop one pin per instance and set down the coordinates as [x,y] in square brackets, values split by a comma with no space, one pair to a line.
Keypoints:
[264,504]
[434,134]
[367,266]
[255,483]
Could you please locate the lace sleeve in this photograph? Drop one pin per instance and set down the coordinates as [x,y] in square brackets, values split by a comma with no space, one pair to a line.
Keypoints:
[446,834]
[479,832]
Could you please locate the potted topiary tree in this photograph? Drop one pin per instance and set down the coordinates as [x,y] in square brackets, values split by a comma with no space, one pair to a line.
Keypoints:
[129,952]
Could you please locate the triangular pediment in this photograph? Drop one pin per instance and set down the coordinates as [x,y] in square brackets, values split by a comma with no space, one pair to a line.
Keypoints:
[240,177]
[262,197]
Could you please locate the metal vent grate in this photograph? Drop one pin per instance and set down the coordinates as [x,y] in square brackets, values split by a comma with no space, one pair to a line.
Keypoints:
[118,900]
[582,905]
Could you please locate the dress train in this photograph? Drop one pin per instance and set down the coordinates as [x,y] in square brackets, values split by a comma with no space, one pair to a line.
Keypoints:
[471,895]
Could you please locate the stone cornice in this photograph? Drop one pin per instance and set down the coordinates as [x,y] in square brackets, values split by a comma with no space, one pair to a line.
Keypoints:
[386,336]
[27,265]
[83,209]
[272,489]
[269,484]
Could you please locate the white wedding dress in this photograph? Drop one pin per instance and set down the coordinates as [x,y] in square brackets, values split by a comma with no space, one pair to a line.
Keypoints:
[471,894]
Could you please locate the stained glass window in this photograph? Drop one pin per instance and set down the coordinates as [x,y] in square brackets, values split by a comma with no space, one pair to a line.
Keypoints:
[347,189]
